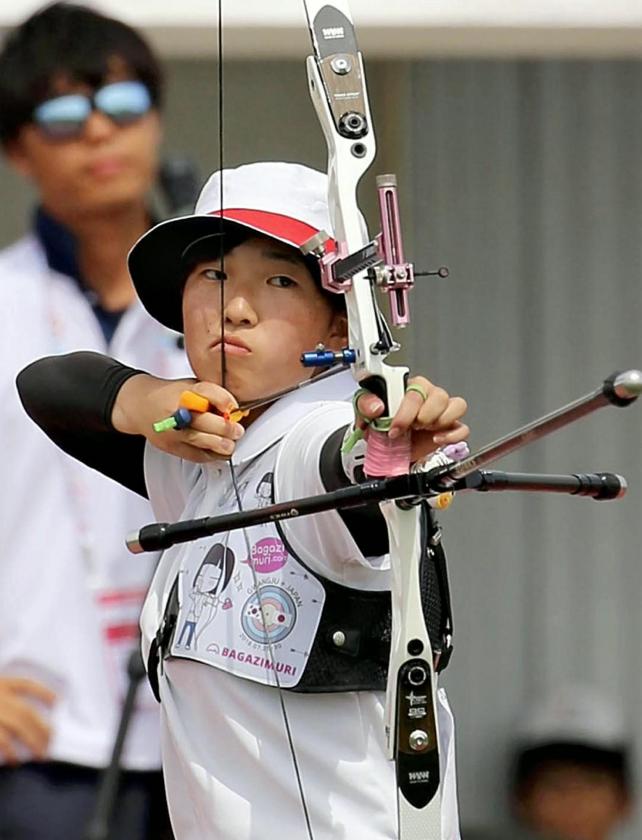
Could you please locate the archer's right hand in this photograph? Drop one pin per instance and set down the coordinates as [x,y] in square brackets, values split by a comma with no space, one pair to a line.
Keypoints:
[143,400]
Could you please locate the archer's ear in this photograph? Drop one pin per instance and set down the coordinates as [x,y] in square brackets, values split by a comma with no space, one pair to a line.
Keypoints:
[339,330]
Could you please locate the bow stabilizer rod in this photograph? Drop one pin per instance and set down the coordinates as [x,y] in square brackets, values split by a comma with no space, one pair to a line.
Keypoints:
[409,488]
[621,389]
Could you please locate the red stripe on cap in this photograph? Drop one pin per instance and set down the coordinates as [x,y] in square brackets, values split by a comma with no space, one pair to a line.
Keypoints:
[273,224]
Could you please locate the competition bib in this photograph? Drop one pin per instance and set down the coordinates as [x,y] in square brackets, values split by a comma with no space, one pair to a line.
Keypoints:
[223,621]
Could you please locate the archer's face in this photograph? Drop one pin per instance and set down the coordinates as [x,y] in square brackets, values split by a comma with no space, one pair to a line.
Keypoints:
[107,168]
[269,310]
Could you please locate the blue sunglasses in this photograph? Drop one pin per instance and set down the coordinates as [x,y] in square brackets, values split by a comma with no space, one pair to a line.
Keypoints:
[64,117]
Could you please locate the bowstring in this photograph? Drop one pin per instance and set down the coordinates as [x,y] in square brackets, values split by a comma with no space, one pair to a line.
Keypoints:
[233,476]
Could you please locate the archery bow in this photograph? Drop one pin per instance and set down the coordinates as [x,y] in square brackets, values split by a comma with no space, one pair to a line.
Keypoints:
[338,90]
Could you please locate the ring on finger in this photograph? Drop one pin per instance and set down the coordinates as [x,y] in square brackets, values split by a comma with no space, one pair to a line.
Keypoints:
[418,389]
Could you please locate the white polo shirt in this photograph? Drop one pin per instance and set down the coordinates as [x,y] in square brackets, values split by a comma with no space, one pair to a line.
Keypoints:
[70,592]
[228,766]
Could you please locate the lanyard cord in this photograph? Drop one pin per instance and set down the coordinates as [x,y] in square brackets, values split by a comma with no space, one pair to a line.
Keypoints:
[257,586]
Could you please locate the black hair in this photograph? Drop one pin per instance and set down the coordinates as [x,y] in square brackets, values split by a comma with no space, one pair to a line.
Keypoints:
[528,763]
[223,558]
[68,40]
[211,247]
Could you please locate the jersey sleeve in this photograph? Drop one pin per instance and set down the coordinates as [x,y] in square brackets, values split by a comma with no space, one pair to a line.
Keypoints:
[168,480]
[71,398]
[326,542]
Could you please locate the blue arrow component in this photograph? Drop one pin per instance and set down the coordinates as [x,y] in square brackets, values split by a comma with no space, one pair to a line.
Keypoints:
[325,358]
[180,419]
[183,417]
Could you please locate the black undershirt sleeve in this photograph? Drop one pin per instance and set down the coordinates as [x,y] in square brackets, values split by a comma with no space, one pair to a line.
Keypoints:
[71,398]
[366,524]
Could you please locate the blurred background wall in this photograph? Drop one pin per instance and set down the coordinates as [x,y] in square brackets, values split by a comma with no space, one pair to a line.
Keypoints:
[524,176]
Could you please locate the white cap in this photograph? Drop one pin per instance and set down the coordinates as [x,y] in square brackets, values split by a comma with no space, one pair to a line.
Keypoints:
[286,201]
[574,714]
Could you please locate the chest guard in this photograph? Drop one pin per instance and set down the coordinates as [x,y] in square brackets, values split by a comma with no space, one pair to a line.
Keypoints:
[351,646]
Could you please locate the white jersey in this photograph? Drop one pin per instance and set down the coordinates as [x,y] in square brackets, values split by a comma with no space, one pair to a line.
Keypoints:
[228,768]
[70,592]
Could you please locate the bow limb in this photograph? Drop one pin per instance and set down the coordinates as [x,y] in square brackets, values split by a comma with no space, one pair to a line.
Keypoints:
[338,91]
[349,157]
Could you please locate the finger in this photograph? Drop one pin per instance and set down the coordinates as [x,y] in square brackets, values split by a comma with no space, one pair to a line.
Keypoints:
[191,453]
[453,411]
[7,749]
[219,397]
[406,414]
[35,736]
[457,434]
[418,412]
[215,424]
[425,442]
[370,406]
[433,407]
[221,446]
[421,383]
[24,724]
[417,390]
[33,688]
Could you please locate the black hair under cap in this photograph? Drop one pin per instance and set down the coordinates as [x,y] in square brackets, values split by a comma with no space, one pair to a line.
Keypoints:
[529,761]
[211,246]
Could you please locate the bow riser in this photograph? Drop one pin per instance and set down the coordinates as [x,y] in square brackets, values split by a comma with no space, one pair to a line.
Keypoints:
[413,742]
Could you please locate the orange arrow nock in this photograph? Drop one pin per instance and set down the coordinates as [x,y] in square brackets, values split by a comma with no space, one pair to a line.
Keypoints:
[199,404]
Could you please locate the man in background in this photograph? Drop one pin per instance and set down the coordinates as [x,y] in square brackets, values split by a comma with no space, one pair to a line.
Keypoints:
[79,118]
[571,777]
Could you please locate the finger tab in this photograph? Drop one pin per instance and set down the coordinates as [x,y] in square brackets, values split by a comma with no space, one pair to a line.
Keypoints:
[194,402]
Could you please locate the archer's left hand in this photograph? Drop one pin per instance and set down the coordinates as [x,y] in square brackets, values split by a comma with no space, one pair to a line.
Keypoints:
[427,411]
